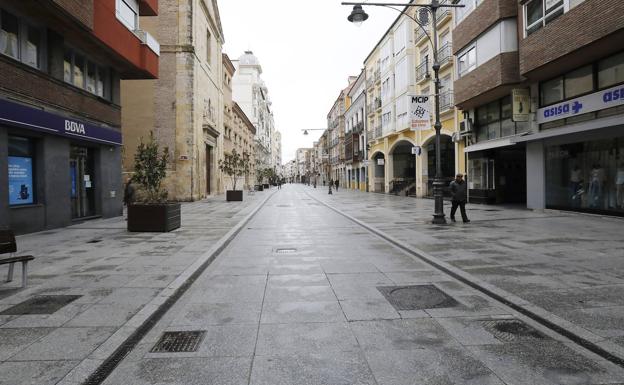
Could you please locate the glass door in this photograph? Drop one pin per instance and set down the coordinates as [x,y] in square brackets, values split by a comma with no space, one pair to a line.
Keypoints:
[81,169]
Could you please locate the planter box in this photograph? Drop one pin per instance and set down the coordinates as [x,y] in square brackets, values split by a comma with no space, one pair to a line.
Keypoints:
[234,195]
[160,218]
[266,185]
[259,187]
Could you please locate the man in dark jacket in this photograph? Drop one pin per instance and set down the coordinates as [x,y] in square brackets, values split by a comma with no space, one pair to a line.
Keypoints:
[458,195]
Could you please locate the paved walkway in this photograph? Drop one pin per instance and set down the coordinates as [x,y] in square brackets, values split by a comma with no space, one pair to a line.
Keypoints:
[110,277]
[298,298]
[566,265]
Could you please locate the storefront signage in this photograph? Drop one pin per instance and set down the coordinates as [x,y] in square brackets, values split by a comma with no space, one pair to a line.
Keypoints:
[597,101]
[420,117]
[380,162]
[521,102]
[20,180]
[416,150]
[16,114]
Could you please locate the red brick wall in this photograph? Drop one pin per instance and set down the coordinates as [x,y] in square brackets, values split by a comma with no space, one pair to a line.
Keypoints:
[16,78]
[498,71]
[82,10]
[480,19]
[585,24]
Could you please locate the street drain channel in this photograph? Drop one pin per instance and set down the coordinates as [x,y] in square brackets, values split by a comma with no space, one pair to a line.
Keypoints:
[179,342]
[417,297]
[285,250]
[45,304]
[95,241]
[512,330]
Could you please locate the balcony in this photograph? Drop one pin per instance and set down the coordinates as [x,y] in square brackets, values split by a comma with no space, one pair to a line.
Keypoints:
[422,71]
[419,34]
[370,108]
[378,131]
[445,54]
[443,14]
[358,128]
[446,100]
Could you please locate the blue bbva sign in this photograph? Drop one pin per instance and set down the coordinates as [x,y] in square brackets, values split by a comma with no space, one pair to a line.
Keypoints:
[597,101]
[16,114]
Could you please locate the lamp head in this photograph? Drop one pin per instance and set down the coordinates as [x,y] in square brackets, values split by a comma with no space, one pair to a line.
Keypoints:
[357,16]
[305,132]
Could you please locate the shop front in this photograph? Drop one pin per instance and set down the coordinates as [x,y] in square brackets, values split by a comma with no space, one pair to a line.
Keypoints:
[586,176]
[58,169]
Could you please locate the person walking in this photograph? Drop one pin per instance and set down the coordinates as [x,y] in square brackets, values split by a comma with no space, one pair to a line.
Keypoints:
[458,195]
[336,182]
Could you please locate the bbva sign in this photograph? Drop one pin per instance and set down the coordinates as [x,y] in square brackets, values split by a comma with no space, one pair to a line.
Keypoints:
[75,127]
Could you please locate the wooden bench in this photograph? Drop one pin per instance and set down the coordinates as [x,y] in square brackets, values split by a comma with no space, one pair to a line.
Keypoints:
[8,245]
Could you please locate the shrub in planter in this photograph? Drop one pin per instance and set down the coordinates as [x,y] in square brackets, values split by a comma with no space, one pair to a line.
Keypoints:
[150,211]
[235,166]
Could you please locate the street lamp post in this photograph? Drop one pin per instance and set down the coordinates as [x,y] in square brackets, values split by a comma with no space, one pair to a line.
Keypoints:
[357,17]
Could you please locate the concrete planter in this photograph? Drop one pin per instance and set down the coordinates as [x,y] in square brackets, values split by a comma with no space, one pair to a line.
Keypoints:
[259,187]
[266,185]
[234,195]
[157,218]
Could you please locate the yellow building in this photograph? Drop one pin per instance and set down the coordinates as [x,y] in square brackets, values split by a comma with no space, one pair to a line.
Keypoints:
[398,67]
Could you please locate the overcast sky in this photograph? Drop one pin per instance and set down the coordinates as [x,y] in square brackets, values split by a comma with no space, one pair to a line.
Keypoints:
[307,50]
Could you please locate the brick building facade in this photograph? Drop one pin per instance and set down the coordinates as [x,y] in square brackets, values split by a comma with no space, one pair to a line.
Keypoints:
[60,117]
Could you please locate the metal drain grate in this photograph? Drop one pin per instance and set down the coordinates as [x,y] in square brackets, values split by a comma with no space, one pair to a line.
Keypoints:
[179,342]
[512,330]
[417,297]
[45,304]
[285,250]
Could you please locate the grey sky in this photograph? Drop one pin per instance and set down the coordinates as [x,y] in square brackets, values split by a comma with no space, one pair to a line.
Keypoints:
[307,50]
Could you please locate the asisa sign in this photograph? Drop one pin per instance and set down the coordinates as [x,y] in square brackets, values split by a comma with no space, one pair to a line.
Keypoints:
[611,97]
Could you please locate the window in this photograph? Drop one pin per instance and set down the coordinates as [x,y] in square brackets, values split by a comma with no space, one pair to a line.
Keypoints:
[469,6]
[20,40]
[538,13]
[579,82]
[85,74]
[467,61]
[9,35]
[611,71]
[494,120]
[21,159]
[208,46]
[128,13]
[32,47]
[552,91]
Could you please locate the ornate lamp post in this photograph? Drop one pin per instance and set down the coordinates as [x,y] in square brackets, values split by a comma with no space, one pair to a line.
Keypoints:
[358,16]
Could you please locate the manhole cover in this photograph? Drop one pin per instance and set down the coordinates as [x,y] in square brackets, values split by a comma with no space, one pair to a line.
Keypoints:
[416,297]
[512,330]
[45,304]
[179,342]
[285,250]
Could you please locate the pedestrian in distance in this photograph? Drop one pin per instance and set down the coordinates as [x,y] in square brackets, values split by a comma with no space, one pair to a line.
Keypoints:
[336,182]
[458,197]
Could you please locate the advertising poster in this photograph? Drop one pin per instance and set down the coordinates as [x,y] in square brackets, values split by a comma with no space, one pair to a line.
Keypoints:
[20,181]
[420,116]
[521,99]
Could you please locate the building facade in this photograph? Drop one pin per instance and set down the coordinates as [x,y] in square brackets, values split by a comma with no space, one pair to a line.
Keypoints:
[542,96]
[184,107]
[238,131]
[398,67]
[252,94]
[355,136]
[60,109]
[336,134]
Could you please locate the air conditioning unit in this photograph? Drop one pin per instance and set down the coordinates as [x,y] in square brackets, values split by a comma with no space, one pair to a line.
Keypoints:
[465,128]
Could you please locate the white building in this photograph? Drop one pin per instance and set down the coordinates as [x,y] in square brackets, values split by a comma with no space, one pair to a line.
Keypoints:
[355,135]
[252,94]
